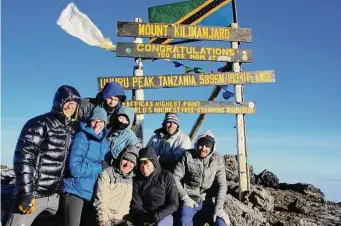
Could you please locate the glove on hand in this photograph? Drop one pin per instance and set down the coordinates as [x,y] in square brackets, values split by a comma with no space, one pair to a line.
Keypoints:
[105,164]
[189,202]
[27,205]
[221,213]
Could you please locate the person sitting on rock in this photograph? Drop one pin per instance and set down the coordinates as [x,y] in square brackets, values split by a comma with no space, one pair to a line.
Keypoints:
[155,197]
[200,176]
[40,155]
[115,188]
[110,98]
[169,142]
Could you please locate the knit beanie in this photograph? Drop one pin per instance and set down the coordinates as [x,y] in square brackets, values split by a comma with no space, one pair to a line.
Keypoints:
[130,157]
[99,113]
[171,117]
[207,141]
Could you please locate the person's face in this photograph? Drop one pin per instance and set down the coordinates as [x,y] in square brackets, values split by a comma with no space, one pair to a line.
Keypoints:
[203,151]
[146,167]
[123,119]
[112,101]
[69,108]
[126,166]
[97,126]
[171,127]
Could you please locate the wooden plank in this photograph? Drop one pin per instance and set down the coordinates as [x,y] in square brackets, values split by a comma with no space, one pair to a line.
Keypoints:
[189,80]
[178,31]
[154,51]
[188,107]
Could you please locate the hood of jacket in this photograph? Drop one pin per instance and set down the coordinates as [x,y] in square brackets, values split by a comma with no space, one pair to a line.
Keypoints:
[88,130]
[129,112]
[112,89]
[204,134]
[149,153]
[65,94]
[117,162]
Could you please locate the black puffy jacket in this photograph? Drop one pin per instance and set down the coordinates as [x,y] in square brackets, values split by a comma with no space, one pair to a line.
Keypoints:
[42,148]
[154,197]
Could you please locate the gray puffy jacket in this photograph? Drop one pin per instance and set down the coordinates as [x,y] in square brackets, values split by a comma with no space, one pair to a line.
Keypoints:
[202,178]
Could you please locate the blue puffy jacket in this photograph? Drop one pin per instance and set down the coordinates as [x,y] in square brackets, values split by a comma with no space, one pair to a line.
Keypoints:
[87,153]
[120,139]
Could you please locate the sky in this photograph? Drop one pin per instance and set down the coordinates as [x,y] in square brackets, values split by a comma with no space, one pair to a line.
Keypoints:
[296,131]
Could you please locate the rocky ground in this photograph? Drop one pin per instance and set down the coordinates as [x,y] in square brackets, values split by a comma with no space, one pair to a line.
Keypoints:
[267,203]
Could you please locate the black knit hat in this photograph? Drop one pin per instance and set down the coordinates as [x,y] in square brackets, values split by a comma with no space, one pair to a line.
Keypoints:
[207,141]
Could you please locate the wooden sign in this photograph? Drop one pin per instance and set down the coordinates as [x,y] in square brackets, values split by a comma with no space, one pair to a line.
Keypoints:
[189,80]
[153,51]
[178,31]
[197,107]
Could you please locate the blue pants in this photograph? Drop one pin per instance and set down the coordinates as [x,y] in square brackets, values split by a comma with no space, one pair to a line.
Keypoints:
[203,210]
[167,221]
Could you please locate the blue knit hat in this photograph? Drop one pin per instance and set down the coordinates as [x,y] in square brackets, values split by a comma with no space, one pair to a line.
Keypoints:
[99,113]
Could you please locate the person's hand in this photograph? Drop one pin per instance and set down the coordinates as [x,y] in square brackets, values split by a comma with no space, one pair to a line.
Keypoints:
[105,164]
[189,202]
[27,205]
[221,213]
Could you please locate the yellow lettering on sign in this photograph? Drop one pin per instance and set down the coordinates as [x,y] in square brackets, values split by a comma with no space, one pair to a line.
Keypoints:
[140,47]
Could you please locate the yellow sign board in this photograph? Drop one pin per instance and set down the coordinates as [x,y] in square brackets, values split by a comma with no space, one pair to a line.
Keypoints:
[187,107]
[189,80]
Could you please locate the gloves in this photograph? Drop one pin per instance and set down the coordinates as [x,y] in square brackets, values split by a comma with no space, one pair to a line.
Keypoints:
[27,205]
[105,164]
[221,213]
[189,202]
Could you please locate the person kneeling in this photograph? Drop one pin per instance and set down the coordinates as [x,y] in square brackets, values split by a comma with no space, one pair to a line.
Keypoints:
[155,196]
[200,176]
[114,189]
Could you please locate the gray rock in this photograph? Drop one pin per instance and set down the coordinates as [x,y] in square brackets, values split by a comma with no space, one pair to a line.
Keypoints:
[267,179]
[307,189]
[260,198]
[231,169]
[298,206]
[241,214]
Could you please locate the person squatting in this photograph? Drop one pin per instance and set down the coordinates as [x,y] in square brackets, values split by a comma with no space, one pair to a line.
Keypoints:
[82,162]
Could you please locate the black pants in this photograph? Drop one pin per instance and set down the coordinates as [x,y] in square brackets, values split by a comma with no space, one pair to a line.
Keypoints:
[76,211]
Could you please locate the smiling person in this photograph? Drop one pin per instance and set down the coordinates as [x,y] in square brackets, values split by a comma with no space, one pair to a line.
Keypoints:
[85,164]
[169,142]
[155,197]
[114,189]
[39,158]
[110,98]
[200,177]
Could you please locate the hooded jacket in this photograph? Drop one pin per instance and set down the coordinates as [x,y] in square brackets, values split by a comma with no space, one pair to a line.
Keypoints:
[155,196]
[42,148]
[197,178]
[87,153]
[169,148]
[87,104]
[120,139]
[114,191]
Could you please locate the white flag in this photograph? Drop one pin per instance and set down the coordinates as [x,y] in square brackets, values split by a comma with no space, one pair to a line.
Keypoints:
[79,25]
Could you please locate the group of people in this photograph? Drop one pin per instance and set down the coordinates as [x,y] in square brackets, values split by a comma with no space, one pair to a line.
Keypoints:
[83,162]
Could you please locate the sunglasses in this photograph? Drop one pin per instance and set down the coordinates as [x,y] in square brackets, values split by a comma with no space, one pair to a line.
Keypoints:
[144,162]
